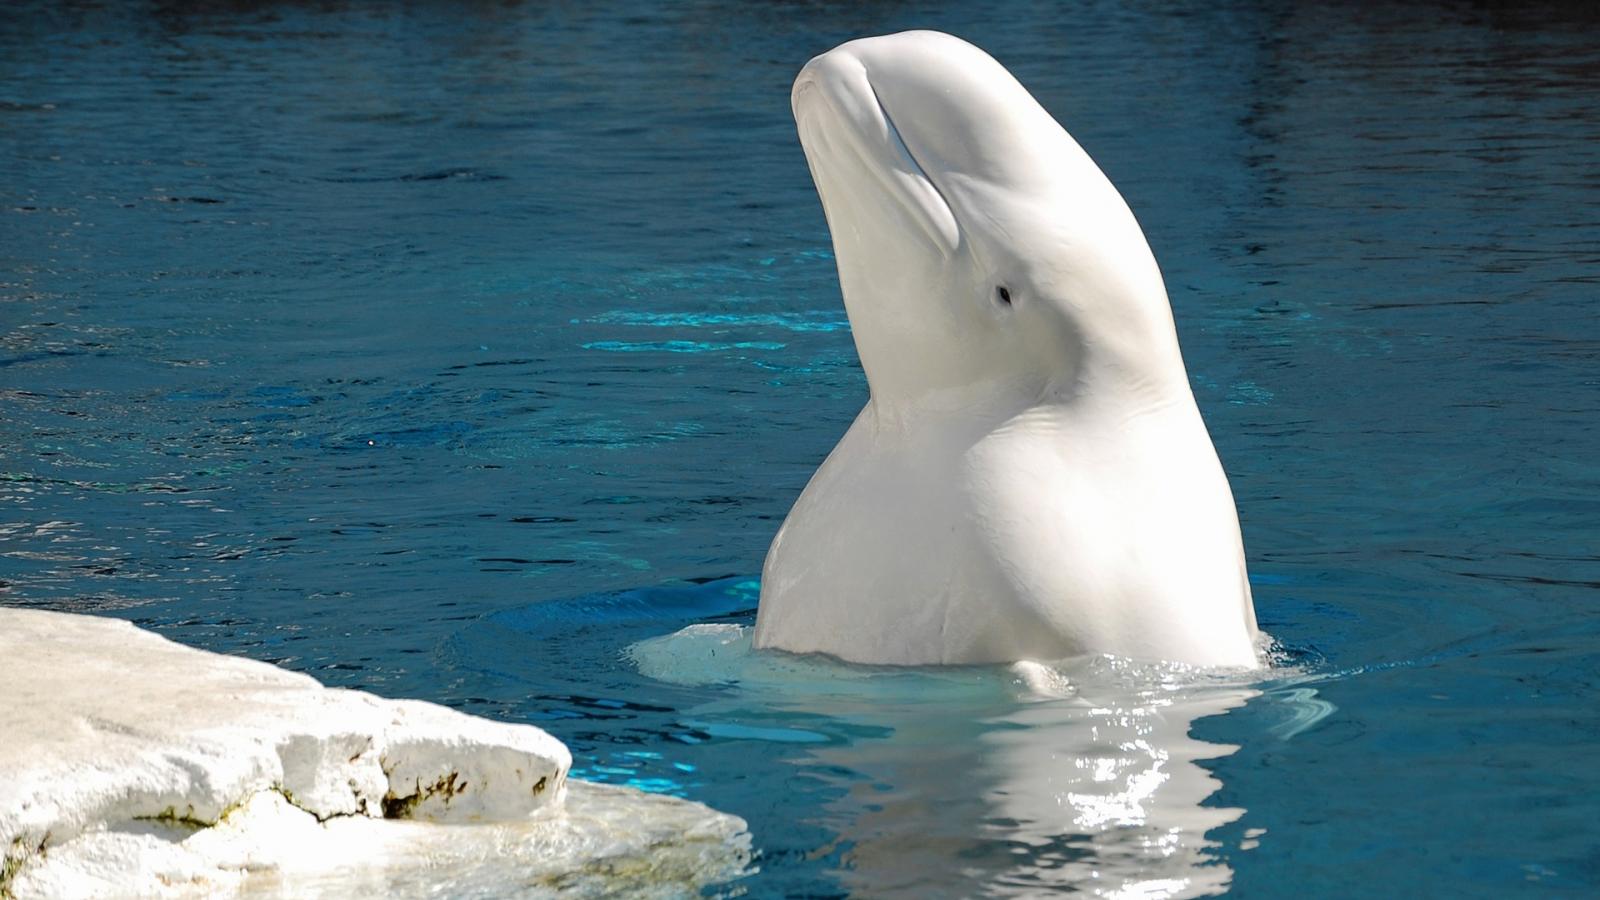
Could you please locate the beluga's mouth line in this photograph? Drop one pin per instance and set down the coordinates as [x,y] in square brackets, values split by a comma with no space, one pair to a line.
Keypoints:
[856,149]
[918,170]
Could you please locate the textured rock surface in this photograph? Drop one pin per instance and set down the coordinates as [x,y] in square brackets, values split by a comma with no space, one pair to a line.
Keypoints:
[132,764]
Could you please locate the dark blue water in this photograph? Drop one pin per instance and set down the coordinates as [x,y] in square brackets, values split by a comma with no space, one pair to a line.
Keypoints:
[363,339]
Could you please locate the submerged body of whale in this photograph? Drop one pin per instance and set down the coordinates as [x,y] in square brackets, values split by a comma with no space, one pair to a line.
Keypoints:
[1030,478]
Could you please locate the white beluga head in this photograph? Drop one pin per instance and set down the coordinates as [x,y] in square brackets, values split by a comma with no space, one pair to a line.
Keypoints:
[976,241]
[1030,477]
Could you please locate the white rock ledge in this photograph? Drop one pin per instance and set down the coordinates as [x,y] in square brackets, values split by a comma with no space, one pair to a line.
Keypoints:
[131,765]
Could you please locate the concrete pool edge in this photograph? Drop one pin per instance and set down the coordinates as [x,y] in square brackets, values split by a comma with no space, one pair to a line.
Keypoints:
[134,764]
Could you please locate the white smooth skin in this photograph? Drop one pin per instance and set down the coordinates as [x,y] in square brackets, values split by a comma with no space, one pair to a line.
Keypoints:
[1028,480]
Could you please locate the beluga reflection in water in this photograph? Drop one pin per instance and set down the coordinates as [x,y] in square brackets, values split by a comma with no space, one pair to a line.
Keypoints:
[1030,477]
[983,780]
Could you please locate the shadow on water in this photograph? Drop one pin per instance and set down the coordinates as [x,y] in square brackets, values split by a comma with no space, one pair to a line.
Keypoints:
[965,781]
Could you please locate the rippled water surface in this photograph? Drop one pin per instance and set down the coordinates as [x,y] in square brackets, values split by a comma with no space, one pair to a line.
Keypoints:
[469,351]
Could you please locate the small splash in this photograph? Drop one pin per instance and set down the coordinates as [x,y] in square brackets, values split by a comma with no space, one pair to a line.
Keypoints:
[1041,680]
[1306,710]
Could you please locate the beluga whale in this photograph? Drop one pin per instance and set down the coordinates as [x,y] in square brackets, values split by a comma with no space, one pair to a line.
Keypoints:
[1030,477]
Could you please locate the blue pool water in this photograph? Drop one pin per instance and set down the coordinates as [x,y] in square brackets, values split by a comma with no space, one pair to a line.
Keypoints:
[466,351]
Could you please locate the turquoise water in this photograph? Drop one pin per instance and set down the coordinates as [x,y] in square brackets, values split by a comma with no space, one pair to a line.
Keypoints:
[453,351]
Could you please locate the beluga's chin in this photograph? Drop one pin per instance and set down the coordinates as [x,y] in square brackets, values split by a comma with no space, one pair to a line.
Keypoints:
[1030,478]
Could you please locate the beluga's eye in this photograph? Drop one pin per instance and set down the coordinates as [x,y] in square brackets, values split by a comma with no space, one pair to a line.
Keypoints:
[1002,295]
